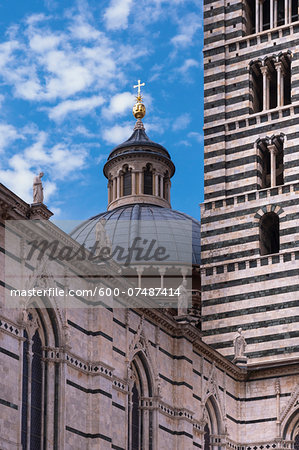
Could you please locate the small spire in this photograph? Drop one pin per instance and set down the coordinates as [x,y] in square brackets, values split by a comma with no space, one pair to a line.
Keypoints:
[139,108]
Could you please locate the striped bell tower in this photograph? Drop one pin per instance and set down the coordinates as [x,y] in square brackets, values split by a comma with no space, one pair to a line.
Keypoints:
[250,216]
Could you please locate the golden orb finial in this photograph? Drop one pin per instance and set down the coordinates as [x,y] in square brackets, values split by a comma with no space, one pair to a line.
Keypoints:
[139,108]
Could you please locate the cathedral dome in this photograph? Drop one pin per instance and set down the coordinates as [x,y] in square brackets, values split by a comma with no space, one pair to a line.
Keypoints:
[139,175]
[171,235]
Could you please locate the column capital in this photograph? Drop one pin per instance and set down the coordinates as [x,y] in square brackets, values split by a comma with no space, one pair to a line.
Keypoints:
[264,70]
[272,149]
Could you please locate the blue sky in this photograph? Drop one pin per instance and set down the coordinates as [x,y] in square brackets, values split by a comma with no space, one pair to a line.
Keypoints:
[67,71]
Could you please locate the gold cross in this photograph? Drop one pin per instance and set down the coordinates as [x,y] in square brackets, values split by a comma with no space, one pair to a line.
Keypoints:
[139,86]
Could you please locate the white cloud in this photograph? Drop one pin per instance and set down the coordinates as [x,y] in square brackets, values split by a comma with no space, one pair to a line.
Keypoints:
[188,64]
[57,162]
[119,104]
[6,51]
[82,106]
[40,43]
[116,15]
[188,26]
[181,122]
[83,30]
[195,135]
[118,133]
[8,134]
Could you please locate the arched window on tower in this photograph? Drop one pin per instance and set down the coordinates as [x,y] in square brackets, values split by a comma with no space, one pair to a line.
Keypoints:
[32,392]
[140,431]
[269,234]
[271,82]
[148,180]
[271,162]
[127,181]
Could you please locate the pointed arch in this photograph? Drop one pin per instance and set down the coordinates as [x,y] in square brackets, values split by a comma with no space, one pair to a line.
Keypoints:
[40,424]
[140,414]
[214,415]
[291,428]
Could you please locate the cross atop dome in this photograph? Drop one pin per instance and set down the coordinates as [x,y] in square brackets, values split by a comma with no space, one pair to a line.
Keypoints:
[139,85]
[139,108]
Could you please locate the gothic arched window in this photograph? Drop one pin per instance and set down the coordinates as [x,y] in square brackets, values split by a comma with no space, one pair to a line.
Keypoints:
[269,234]
[40,381]
[148,181]
[296,442]
[140,413]
[32,393]
[127,182]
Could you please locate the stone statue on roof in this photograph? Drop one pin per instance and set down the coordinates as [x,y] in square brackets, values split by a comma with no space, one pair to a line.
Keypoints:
[38,195]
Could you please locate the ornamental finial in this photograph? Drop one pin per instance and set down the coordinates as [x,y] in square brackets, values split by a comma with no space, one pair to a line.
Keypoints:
[139,108]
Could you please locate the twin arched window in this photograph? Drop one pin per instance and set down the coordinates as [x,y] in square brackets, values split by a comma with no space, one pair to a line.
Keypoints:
[271,162]
[271,82]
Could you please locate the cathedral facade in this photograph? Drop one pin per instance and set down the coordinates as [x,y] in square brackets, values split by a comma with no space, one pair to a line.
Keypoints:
[221,372]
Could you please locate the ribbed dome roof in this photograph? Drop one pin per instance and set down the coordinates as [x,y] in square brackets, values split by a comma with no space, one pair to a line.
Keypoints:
[139,141]
[170,229]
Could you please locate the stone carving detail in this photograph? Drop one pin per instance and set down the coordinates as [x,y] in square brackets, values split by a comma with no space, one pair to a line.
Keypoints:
[292,405]
[30,322]
[42,278]
[212,389]
[183,299]
[239,344]
[38,195]
[102,238]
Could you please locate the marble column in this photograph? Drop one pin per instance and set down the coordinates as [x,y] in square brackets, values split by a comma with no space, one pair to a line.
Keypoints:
[275,13]
[273,151]
[118,186]
[264,70]
[282,87]
[257,16]
[114,182]
[161,187]
[271,14]
[261,16]
[133,183]
[286,12]
[278,70]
